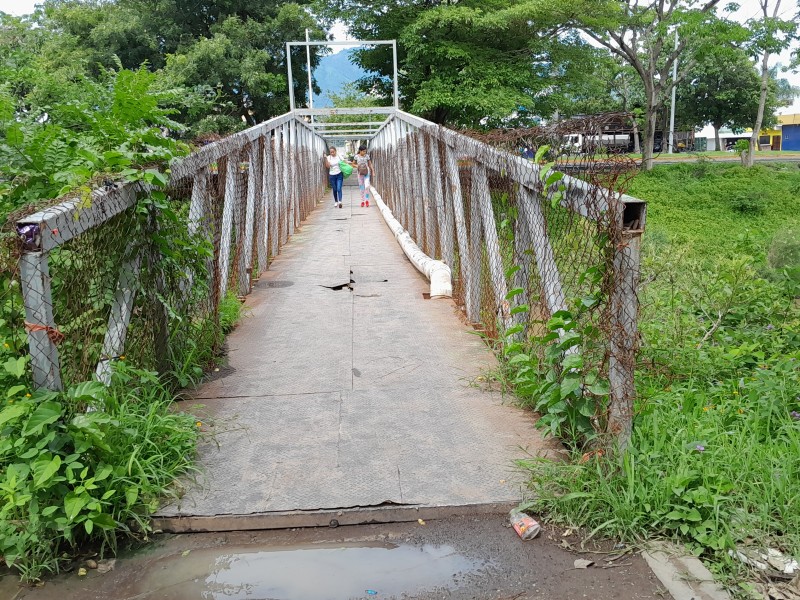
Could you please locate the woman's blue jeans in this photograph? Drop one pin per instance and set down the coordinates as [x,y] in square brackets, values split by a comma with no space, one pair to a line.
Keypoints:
[336,182]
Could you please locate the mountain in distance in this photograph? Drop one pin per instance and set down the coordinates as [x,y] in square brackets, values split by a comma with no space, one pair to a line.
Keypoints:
[333,72]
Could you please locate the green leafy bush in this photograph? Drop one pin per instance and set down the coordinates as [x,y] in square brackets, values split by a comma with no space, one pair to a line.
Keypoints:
[714,458]
[70,476]
[747,203]
[784,254]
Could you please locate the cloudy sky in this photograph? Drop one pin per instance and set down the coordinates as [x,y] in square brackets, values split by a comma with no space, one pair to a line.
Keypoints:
[748,9]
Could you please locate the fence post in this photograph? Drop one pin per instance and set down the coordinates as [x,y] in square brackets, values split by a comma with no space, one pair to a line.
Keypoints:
[274,199]
[475,247]
[445,231]
[624,315]
[404,185]
[454,183]
[291,155]
[253,185]
[416,190]
[531,212]
[35,278]
[231,197]
[197,206]
[482,193]
[424,195]
[262,213]
[119,318]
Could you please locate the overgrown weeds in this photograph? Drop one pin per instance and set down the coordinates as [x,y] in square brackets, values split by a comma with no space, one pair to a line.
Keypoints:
[70,476]
[714,460]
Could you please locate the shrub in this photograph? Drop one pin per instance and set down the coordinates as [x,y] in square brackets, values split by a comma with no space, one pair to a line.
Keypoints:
[784,253]
[68,476]
[747,203]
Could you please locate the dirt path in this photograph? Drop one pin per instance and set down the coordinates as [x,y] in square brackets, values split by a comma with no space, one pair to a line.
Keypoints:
[462,558]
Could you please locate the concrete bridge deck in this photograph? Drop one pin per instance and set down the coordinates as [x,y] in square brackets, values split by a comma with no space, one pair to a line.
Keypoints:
[348,395]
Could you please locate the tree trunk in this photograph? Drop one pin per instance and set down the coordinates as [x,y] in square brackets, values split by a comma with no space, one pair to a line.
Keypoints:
[637,146]
[717,142]
[651,118]
[762,99]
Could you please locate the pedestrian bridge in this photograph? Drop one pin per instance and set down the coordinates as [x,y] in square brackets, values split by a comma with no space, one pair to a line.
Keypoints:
[361,384]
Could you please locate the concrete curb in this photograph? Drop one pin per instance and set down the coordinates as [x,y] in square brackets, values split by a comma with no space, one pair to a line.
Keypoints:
[393,513]
[437,272]
[685,577]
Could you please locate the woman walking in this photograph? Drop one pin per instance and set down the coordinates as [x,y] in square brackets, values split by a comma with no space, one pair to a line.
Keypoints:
[363,163]
[335,176]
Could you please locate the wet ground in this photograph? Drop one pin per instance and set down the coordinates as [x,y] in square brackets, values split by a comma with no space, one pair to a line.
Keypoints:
[464,558]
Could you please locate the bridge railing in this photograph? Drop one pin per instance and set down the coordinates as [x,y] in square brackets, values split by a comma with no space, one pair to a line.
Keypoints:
[522,245]
[148,269]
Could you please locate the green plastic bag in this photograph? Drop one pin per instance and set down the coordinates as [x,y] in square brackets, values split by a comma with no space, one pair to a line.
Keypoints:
[347,170]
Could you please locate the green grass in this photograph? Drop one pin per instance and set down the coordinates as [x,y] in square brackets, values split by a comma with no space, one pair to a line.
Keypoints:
[714,461]
[689,156]
[697,208]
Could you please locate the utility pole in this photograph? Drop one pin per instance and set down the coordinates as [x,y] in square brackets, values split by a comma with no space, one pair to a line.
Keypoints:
[672,107]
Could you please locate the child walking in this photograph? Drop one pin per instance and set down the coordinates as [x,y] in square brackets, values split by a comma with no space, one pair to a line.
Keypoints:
[363,163]
[335,176]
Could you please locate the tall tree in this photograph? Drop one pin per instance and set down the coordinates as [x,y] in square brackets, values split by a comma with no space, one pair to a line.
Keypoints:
[474,62]
[234,46]
[721,90]
[642,34]
[771,35]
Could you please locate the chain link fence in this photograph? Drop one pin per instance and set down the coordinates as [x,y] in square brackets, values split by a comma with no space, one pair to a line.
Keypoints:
[142,270]
[532,225]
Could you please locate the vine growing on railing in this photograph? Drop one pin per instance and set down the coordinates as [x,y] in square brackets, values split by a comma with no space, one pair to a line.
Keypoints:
[558,370]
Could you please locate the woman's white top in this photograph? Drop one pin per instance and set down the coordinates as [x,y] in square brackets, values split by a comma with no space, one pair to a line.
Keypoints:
[333,164]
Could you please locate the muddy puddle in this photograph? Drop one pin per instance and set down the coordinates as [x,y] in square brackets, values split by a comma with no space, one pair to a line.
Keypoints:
[309,572]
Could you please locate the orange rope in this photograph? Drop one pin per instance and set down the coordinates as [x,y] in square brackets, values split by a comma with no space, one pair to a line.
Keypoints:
[54,334]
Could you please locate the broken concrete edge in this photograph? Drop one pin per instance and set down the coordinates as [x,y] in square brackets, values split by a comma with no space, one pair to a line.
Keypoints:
[683,575]
[437,272]
[396,513]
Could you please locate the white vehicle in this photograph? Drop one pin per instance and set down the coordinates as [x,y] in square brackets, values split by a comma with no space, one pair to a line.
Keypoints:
[580,142]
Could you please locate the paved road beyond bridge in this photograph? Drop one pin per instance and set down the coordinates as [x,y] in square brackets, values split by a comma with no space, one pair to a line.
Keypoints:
[349,396]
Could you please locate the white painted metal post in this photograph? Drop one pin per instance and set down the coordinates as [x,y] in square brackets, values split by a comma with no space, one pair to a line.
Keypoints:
[197,205]
[672,105]
[290,77]
[283,178]
[394,65]
[531,212]
[274,197]
[231,198]
[622,359]
[308,68]
[445,230]
[291,155]
[416,186]
[253,188]
[119,318]
[262,214]
[464,256]
[475,245]
[35,277]
[482,194]
[429,229]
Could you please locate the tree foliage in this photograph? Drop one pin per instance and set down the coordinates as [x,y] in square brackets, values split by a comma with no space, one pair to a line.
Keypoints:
[722,89]
[642,34]
[231,46]
[472,62]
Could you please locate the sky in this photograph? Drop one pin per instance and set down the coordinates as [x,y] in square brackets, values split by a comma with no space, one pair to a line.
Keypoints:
[747,9]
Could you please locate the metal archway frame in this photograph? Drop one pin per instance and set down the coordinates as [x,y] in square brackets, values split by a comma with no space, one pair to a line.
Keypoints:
[330,131]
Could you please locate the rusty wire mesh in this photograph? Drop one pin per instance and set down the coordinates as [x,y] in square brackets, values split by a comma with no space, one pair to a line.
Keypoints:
[522,242]
[143,273]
